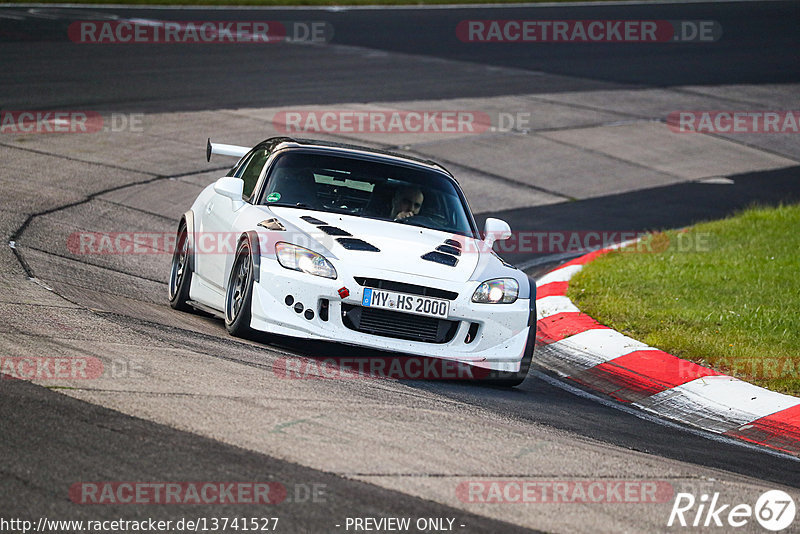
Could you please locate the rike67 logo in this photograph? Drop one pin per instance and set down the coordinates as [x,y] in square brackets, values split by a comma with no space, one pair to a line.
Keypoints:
[774,510]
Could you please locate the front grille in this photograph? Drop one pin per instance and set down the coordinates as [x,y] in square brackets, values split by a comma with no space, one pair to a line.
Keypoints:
[401,287]
[398,325]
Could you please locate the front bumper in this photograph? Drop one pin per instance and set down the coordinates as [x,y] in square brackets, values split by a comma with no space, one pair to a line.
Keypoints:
[497,344]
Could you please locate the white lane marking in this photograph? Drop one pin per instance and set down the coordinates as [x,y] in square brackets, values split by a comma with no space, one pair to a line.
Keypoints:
[562,274]
[659,420]
[600,345]
[718,403]
[717,180]
[547,306]
[570,356]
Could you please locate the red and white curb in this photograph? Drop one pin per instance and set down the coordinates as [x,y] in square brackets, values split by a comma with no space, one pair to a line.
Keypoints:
[577,347]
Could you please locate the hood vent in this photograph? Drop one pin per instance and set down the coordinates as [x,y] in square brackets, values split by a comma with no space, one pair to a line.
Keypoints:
[312,220]
[446,254]
[273,224]
[353,243]
[333,230]
[439,257]
[448,249]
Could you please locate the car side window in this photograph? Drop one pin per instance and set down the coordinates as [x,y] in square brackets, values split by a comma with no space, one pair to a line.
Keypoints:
[251,170]
[237,169]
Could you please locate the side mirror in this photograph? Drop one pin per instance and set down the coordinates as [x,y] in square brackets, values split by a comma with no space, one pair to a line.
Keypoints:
[495,230]
[230,187]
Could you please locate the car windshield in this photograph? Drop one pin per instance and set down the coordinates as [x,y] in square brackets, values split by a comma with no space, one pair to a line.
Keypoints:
[367,188]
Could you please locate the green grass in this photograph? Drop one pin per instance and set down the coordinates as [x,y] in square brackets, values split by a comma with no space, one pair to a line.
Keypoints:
[724,294]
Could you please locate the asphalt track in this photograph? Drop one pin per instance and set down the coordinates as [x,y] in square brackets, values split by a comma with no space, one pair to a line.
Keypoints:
[50,440]
[758,47]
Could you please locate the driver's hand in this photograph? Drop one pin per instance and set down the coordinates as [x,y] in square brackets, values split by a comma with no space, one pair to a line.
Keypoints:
[404,215]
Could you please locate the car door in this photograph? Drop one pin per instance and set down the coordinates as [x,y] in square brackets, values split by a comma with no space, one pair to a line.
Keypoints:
[217,242]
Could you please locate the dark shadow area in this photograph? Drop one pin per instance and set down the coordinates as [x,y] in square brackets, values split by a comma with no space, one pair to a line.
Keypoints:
[323,360]
[660,208]
[758,42]
[50,442]
[758,45]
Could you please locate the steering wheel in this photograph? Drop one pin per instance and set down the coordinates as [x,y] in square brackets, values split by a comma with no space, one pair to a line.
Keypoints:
[433,221]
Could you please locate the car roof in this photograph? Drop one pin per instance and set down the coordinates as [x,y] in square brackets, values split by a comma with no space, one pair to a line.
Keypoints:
[356,150]
[278,143]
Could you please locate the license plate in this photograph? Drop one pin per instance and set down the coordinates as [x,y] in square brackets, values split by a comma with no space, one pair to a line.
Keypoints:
[416,304]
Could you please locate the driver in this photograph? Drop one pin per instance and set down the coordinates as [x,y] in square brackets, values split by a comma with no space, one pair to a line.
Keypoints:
[406,203]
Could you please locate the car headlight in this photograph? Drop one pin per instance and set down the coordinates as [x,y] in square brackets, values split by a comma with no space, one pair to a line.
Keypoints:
[497,291]
[302,259]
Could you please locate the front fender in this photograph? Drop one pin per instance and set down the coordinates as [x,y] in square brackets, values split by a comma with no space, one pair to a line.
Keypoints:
[188,217]
[252,239]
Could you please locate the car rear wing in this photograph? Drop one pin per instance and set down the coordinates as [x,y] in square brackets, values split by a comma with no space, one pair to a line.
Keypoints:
[224,150]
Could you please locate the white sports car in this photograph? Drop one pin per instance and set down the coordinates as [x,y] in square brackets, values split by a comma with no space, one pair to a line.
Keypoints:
[358,246]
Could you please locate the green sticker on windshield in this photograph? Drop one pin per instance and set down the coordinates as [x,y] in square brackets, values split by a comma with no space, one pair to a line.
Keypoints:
[273,197]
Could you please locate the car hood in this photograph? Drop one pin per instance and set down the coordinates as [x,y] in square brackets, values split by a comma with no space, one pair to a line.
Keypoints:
[401,245]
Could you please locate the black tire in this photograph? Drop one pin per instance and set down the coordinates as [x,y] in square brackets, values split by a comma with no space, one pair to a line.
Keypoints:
[180,275]
[239,295]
